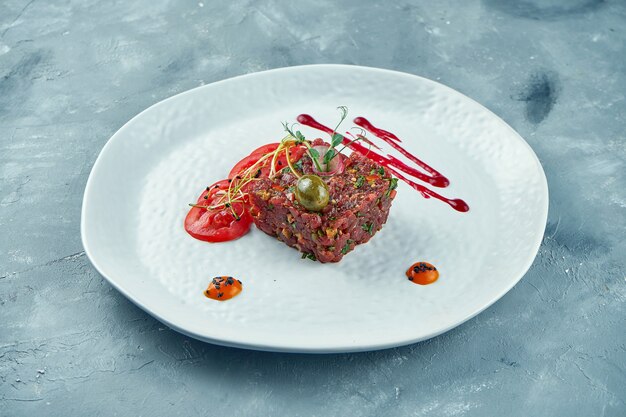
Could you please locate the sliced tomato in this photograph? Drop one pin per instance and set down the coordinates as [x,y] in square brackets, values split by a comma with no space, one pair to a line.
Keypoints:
[281,162]
[244,164]
[262,150]
[252,159]
[217,225]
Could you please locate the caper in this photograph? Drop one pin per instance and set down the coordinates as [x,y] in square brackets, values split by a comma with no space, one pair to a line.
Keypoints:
[312,192]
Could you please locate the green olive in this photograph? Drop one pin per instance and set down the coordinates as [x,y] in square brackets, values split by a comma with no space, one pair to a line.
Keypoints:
[312,192]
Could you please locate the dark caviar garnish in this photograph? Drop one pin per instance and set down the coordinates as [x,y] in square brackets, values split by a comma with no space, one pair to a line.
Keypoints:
[422,273]
[223,288]
[422,267]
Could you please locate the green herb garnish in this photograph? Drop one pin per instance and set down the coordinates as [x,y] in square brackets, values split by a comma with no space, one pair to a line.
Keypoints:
[296,135]
[335,138]
[300,139]
[308,255]
[330,154]
[393,184]
[346,247]
[368,227]
[359,182]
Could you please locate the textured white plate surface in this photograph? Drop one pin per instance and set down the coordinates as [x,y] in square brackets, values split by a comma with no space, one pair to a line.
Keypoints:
[137,195]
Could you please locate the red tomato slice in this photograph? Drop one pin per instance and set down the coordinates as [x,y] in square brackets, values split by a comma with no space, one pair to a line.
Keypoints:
[262,150]
[252,159]
[217,225]
[244,164]
[281,162]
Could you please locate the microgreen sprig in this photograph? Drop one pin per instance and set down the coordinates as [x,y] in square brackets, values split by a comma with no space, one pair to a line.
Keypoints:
[298,136]
[300,139]
[335,138]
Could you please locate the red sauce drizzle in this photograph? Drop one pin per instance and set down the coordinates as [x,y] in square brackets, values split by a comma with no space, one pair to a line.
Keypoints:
[435,179]
[223,288]
[389,161]
[422,273]
[455,203]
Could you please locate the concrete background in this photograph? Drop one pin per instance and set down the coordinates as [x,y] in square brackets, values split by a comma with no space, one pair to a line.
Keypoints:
[73,72]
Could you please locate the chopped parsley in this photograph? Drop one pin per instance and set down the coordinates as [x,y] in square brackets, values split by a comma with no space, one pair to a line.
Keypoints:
[309,256]
[359,182]
[346,247]
[393,184]
[379,170]
[368,227]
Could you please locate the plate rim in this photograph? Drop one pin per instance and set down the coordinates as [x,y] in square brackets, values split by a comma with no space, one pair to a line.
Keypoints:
[330,348]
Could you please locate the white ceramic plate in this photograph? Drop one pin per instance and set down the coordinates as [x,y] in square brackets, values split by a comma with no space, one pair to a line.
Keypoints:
[137,195]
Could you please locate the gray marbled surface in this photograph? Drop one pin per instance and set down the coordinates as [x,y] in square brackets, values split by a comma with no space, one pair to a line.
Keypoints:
[73,72]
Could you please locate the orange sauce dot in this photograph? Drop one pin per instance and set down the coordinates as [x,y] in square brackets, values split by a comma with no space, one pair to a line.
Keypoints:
[422,273]
[223,288]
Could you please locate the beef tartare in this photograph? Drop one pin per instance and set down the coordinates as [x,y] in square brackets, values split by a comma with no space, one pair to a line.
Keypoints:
[359,199]
[311,196]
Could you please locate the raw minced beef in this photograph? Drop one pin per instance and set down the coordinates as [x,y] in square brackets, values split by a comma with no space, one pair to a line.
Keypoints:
[360,199]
